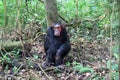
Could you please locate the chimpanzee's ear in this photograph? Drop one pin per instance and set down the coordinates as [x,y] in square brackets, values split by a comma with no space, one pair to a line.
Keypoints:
[62,26]
[52,24]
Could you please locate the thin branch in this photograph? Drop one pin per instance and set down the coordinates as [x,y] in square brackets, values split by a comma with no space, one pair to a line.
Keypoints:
[41,1]
[81,21]
[18,69]
[111,20]
[44,72]
[77,13]
[5,13]
[62,18]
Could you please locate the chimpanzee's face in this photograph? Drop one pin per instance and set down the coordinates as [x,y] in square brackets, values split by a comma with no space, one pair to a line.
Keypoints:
[57,29]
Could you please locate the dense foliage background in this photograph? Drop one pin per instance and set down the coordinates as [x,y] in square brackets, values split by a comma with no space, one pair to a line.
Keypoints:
[99,14]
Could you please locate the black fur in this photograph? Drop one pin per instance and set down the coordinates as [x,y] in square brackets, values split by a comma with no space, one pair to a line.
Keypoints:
[56,47]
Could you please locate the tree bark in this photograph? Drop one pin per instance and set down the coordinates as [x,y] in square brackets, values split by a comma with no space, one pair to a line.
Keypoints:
[51,11]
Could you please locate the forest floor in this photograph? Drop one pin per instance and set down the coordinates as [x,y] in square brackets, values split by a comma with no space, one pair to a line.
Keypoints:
[91,56]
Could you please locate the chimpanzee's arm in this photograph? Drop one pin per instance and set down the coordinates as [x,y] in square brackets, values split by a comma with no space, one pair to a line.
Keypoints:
[50,35]
[50,41]
[65,47]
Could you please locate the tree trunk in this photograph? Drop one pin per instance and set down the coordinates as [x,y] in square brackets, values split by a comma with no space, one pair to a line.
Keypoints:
[51,11]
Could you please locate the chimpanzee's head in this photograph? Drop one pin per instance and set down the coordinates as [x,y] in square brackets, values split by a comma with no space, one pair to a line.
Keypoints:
[57,28]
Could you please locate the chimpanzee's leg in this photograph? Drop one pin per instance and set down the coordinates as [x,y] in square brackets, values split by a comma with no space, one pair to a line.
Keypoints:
[60,55]
[50,57]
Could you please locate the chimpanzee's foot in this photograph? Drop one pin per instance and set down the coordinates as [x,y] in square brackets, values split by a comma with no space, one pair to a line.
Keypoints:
[59,61]
[46,64]
[62,67]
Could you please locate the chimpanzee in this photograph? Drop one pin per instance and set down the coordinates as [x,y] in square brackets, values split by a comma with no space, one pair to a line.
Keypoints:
[56,44]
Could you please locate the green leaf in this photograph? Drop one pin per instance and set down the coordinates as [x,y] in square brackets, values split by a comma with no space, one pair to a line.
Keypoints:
[85,70]
[1,3]
[115,75]
[78,67]
[115,67]
[108,64]
[68,64]
[35,56]
[115,50]
[76,63]
[14,69]
[6,67]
